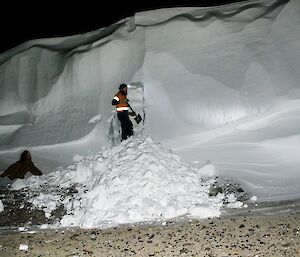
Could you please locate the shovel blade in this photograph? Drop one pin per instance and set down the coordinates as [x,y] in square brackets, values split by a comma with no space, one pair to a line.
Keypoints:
[138,118]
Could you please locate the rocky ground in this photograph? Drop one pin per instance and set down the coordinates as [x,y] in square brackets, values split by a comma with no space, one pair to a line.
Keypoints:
[221,237]
[269,229]
[19,211]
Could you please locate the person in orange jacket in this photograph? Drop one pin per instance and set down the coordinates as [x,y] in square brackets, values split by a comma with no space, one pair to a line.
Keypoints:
[21,167]
[121,102]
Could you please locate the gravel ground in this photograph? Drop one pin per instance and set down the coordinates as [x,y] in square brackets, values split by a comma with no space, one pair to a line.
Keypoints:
[269,236]
[19,211]
[268,229]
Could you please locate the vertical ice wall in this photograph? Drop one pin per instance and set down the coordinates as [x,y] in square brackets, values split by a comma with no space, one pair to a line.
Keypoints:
[51,92]
[214,66]
[202,68]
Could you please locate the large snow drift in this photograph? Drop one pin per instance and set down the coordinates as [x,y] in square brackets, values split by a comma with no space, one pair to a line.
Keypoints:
[220,84]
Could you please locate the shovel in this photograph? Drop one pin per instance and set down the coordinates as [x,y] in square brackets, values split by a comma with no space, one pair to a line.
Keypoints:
[137,117]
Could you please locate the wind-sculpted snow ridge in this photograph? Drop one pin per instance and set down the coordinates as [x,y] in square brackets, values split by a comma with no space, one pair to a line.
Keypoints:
[136,181]
[45,82]
[64,45]
[263,8]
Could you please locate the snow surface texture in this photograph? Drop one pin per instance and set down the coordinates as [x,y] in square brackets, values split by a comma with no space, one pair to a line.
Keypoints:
[136,181]
[1,206]
[220,84]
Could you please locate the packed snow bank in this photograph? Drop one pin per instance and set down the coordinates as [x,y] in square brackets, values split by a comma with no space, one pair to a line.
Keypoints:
[136,181]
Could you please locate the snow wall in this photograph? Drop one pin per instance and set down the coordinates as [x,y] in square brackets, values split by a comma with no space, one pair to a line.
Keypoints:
[205,71]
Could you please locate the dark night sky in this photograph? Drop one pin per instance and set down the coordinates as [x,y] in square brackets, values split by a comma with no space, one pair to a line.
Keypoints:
[42,19]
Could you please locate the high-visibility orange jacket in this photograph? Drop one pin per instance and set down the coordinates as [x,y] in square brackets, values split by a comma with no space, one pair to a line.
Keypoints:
[120,101]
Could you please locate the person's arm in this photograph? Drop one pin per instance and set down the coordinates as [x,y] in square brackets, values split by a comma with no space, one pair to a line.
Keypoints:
[7,171]
[115,100]
[35,171]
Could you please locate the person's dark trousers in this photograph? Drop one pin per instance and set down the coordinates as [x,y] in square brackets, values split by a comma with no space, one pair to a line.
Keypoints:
[126,124]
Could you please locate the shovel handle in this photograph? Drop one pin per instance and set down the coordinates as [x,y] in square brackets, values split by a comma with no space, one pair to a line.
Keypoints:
[130,107]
